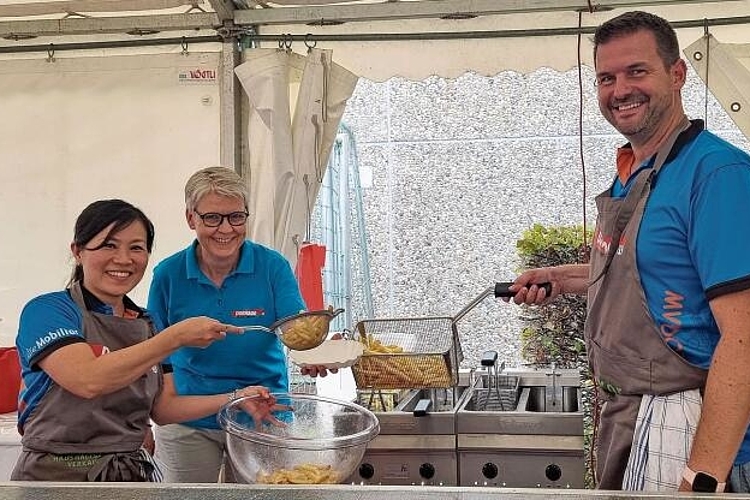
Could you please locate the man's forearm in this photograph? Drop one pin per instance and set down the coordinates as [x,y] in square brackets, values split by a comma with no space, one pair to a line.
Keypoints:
[726,403]
[574,278]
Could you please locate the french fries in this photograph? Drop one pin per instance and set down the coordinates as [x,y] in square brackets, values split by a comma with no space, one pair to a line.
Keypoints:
[305,332]
[380,368]
[301,474]
[374,346]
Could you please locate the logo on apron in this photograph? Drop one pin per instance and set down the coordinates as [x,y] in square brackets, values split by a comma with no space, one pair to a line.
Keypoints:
[99,349]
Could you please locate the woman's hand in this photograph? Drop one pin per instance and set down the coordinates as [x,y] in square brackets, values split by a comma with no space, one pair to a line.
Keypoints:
[200,331]
[320,370]
[317,370]
[260,405]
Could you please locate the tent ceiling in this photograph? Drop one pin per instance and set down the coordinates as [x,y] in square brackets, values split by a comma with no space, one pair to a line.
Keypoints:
[23,8]
[378,38]
[360,11]
[73,16]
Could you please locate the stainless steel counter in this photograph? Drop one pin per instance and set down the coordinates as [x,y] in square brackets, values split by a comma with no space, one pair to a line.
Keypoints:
[140,491]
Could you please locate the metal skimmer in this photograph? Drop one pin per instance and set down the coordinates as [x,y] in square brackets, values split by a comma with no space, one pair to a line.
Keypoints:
[493,391]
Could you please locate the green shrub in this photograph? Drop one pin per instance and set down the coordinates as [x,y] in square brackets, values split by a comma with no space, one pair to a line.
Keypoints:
[554,332]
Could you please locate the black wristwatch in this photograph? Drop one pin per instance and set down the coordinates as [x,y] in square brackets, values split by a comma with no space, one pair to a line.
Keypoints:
[703,481]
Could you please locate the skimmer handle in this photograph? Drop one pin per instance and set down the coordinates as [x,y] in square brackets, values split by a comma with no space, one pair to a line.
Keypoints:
[502,288]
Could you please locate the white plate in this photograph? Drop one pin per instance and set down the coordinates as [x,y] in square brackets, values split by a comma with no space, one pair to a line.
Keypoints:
[330,354]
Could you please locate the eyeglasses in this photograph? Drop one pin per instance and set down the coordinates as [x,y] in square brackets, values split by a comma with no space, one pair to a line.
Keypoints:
[213,219]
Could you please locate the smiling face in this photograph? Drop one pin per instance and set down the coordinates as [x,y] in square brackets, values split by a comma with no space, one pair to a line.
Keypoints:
[637,94]
[221,243]
[113,264]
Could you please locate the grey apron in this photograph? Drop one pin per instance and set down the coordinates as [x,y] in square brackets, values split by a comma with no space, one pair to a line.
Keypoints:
[627,353]
[68,438]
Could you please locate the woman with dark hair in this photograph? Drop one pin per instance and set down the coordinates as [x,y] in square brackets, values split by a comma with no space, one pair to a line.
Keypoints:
[90,360]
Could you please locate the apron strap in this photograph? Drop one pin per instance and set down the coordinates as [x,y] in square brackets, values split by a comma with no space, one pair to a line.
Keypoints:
[122,467]
[641,189]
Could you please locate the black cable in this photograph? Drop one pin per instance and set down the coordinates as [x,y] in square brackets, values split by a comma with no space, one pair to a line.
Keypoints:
[580,135]
[706,35]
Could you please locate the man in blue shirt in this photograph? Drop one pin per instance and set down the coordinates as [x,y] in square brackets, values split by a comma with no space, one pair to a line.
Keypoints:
[669,279]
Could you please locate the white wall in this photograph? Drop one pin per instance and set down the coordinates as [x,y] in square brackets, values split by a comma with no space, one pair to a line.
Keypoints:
[80,129]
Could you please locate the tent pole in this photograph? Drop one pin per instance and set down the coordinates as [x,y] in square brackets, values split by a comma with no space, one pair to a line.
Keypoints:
[110,44]
[230,126]
[461,35]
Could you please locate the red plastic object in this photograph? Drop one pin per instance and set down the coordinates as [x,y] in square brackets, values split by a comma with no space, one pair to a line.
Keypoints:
[312,258]
[10,375]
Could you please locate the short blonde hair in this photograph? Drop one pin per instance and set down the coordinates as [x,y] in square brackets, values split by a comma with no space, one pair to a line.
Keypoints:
[220,180]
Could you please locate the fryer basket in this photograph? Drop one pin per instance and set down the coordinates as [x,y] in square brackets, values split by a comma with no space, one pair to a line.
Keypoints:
[430,358]
[430,349]
[493,392]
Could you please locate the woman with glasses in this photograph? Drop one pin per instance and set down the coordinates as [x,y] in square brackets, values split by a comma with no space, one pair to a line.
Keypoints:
[225,276]
[91,362]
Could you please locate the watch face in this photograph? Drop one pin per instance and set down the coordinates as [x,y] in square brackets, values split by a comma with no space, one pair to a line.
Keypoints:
[704,483]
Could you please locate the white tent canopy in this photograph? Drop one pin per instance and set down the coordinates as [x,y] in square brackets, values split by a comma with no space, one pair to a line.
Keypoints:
[375,39]
[127,97]
[380,39]
[519,41]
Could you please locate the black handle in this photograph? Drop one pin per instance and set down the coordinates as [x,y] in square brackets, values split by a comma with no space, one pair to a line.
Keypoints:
[489,358]
[501,289]
[423,406]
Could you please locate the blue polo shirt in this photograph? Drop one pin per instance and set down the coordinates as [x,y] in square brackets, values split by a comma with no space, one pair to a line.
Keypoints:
[261,290]
[47,323]
[693,243]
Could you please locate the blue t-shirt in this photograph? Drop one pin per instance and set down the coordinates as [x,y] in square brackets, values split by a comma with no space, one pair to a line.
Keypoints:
[47,323]
[261,290]
[693,244]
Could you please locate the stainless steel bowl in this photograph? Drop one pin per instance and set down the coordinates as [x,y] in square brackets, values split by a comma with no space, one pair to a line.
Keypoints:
[322,440]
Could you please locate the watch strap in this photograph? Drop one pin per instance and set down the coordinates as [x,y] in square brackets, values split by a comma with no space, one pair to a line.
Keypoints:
[689,475]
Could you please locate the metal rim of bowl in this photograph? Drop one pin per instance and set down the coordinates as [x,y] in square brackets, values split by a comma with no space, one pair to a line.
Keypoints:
[253,436]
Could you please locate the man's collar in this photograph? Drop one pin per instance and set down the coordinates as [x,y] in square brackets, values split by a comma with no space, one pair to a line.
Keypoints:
[695,128]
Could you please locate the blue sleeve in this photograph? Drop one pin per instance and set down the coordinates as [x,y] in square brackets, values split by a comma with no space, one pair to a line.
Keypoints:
[287,296]
[47,323]
[157,300]
[719,231]
[157,304]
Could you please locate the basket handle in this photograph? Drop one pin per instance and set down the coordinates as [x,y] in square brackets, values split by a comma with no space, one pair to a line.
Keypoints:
[336,312]
[502,289]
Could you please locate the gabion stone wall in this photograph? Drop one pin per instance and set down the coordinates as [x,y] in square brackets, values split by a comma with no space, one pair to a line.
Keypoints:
[455,170]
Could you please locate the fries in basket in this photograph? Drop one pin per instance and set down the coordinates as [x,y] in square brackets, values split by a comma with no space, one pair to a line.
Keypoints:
[374,346]
[387,366]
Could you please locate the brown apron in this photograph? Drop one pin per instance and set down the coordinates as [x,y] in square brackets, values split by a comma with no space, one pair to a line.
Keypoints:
[628,355]
[68,438]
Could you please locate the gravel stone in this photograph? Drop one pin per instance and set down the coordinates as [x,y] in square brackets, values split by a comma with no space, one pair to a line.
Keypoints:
[455,170]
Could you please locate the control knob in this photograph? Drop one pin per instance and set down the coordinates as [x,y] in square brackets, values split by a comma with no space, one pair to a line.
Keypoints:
[490,470]
[427,470]
[553,472]
[366,471]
